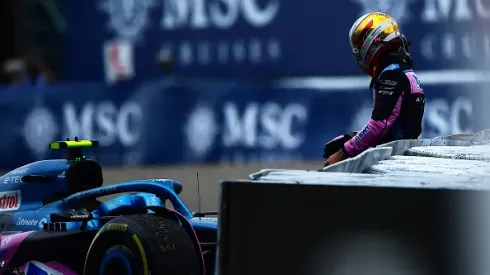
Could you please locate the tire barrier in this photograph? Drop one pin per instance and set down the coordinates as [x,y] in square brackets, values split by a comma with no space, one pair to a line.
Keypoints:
[400,147]
[422,165]
[463,146]
[406,180]
[474,152]
[360,162]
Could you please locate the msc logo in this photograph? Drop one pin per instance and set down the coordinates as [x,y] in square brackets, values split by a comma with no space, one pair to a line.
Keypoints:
[398,9]
[128,18]
[200,130]
[40,128]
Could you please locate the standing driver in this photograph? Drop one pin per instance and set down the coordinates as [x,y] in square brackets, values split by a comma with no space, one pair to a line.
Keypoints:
[382,52]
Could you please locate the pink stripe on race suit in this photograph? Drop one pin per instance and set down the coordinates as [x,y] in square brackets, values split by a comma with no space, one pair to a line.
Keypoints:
[414,83]
[372,133]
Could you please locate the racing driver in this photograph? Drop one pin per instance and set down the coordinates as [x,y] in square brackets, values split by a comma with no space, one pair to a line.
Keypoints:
[382,52]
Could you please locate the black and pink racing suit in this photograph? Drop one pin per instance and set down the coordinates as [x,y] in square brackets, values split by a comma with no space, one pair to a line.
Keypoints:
[399,104]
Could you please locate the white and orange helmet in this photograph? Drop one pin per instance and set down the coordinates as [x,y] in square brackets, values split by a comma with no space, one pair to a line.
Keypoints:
[372,34]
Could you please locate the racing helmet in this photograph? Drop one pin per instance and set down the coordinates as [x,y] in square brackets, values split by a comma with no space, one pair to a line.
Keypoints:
[372,34]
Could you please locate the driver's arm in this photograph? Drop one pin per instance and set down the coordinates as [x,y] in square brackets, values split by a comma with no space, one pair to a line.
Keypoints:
[387,105]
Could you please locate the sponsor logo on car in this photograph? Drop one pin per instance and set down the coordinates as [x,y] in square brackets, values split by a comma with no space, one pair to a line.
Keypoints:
[117,227]
[10,200]
[26,222]
[80,217]
[20,171]
[153,201]
[15,176]
[113,204]
[31,222]
[13,179]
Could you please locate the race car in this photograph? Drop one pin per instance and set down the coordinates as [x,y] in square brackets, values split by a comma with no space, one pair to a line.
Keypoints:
[53,222]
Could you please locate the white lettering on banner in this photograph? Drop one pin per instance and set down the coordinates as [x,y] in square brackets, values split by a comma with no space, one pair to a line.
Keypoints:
[444,37]
[445,118]
[222,14]
[128,18]
[396,8]
[267,126]
[200,129]
[255,51]
[442,10]
[196,15]
[455,42]
[258,132]
[10,200]
[458,10]
[40,127]
[483,11]
[105,122]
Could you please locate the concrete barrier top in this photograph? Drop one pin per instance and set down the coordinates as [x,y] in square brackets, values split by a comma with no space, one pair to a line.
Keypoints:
[464,158]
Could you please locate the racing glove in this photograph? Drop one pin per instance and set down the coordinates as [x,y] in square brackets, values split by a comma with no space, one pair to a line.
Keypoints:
[336,144]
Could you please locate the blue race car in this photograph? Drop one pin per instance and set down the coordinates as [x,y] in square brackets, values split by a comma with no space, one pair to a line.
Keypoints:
[51,219]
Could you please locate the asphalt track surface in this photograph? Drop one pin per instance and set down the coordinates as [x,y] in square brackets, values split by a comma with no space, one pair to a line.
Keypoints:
[209,178]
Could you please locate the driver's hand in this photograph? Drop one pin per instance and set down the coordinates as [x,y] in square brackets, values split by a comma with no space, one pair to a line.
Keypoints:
[336,144]
[338,156]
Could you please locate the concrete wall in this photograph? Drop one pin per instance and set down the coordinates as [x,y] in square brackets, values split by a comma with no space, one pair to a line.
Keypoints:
[209,178]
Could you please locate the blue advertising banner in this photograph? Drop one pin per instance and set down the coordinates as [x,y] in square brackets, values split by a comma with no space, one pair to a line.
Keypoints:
[260,38]
[171,122]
